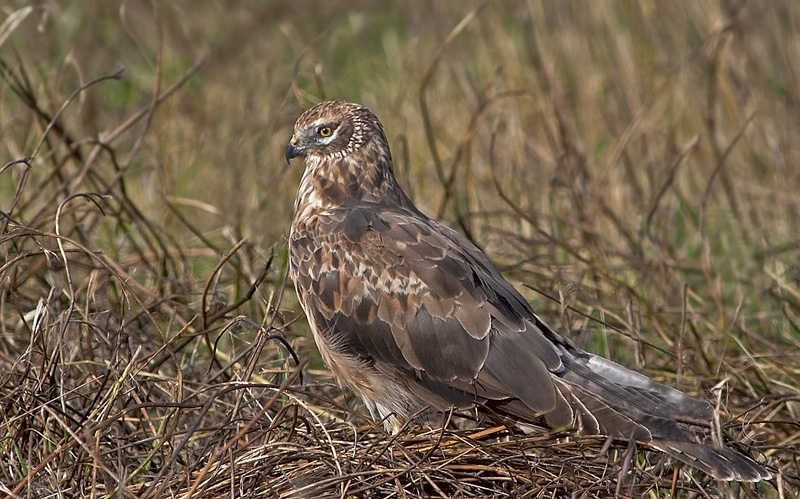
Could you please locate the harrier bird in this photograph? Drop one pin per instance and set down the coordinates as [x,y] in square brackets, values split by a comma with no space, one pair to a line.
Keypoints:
[411,315]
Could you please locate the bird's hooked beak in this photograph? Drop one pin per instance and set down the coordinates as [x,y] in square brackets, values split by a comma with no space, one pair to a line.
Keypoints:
[292,151]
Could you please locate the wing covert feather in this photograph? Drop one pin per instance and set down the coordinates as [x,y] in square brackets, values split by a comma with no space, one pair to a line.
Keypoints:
[427,299]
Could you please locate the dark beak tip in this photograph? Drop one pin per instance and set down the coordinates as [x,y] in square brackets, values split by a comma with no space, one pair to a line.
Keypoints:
[291,152]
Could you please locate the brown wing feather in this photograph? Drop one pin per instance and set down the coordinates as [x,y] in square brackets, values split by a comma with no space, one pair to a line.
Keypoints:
[418,302]
[421,298]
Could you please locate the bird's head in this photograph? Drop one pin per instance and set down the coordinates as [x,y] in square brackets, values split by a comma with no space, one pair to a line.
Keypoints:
[335,129]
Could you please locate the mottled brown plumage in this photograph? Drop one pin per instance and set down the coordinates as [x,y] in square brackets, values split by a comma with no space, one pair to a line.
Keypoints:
[412,316]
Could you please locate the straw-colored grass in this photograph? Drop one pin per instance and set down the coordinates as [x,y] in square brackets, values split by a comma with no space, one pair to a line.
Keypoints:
[632,167]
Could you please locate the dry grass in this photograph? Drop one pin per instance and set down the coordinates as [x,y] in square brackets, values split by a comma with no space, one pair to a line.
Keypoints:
[631,166]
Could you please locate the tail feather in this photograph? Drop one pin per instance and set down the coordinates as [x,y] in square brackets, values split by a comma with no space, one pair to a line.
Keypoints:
[616,401]
[721,463]
[635,391]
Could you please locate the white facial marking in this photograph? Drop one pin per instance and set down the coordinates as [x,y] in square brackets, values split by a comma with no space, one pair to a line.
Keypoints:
[323,140]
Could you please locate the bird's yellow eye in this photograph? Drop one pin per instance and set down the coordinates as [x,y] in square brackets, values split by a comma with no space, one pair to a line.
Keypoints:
[325,131]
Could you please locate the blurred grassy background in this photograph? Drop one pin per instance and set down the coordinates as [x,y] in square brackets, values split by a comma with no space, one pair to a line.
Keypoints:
[632,166]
